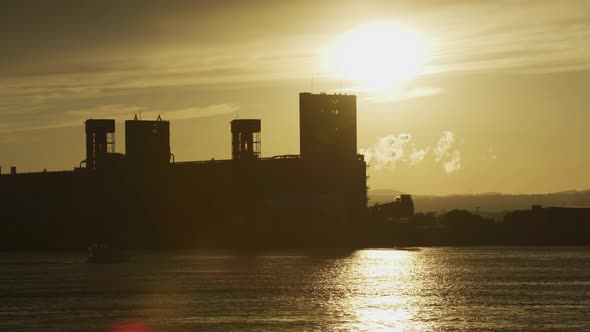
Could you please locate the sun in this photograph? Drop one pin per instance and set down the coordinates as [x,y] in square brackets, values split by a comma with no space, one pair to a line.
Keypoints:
[378,56]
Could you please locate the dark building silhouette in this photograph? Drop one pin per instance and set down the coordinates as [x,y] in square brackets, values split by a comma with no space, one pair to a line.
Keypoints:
[145,198]
[100,142]
[147,143]
[548,225]
[327,126]
[560,214]
[401,208]
[245,139]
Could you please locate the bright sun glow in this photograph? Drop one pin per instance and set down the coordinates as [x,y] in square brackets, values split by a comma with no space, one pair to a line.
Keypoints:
[378,56]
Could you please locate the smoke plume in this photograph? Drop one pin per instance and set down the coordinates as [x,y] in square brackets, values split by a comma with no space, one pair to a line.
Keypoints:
[391,150]
[444,145]
[417,156]
[387,151]
[445,153]
[454,163]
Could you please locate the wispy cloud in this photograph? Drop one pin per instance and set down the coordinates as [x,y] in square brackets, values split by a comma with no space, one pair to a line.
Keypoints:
[164,46]
[126,112]
[401,93]
[533,36]
[71,118]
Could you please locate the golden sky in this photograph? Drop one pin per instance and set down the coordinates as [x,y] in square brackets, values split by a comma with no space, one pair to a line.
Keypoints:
[454,96]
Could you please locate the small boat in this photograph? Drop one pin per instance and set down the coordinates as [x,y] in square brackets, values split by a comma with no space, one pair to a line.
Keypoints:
[407,248]
[104,254]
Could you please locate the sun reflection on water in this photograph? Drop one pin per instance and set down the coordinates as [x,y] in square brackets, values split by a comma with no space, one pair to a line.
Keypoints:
[431,289]
[386,301]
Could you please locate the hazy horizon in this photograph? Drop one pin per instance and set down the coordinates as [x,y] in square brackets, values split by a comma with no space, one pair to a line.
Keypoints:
[453,96]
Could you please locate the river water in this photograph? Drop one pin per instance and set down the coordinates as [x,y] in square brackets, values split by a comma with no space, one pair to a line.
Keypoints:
[423,289]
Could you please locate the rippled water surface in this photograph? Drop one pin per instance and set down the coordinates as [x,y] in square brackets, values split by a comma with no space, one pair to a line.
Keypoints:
[425,289]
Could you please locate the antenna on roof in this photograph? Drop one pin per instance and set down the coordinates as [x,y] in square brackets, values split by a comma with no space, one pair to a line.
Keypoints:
[312,82]
[140,113]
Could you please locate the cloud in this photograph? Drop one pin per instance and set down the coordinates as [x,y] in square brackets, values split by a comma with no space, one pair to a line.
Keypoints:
[535,36]
[200,112]
[127,112]
[400,94]
[160,45]
[71,118]
[62,53]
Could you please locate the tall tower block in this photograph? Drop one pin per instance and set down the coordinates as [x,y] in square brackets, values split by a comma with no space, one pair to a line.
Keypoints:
[327,125]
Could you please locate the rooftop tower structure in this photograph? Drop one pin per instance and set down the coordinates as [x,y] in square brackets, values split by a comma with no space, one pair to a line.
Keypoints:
[327,125]
[100,142]
[245,140]
[147,142]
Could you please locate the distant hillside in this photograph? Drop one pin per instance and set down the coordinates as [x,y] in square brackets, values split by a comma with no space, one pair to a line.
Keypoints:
[486,202]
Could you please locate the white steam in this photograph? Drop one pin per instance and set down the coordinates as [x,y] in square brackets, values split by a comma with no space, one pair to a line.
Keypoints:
[391,150]
[444,151]
[387,151]
[444,145]
[454,163]
[418,155]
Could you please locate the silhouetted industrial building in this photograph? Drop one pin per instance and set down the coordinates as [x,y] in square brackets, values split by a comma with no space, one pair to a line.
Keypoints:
[401,208]
[145,194]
